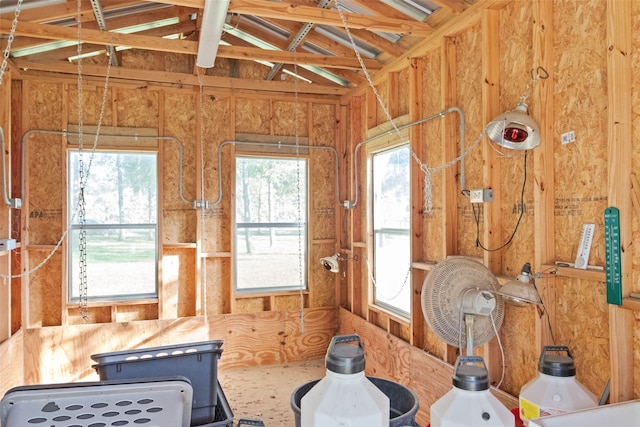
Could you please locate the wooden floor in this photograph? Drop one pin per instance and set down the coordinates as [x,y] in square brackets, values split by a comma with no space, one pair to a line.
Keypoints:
[264,392]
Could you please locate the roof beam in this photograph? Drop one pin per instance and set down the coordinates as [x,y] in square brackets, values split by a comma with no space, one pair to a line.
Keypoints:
[179,79]
[54,32]
[288,12]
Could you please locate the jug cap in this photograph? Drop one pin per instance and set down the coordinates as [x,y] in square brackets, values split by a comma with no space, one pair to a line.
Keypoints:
[467,375]
[556,365]
[345,358]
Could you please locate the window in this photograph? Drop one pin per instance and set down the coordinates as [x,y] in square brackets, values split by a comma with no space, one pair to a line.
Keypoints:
[121,205]
[391,215]
[271,224]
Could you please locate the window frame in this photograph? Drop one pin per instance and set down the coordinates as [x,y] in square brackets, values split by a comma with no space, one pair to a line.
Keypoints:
[381,145]
[155,227]
[284,154]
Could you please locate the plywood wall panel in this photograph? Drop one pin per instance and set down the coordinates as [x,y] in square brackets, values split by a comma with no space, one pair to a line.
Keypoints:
[253,116]
[218,285]
[137,108]
[468,96]
[44,187]
[132,313]
[180,111]
[322,174]
[216,122]
[45,292]
[93,99]
[322,282]
[11,362]
[44,105]
[584,327]
[178,294]
[63,354]
[76,315]
[262,341]
[179,225]
[251,305]
[580,105]
[518,328]
[290,118]
[151,60]
[515,34]
[433,155]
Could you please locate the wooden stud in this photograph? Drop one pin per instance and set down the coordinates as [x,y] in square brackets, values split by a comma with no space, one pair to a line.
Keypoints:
[416,138]
[620,136]
[543,168]
[491,166]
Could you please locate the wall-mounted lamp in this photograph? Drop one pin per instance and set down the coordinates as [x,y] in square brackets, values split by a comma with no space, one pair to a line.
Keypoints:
[521,291]
[514,129]
[331,263]
[213,18]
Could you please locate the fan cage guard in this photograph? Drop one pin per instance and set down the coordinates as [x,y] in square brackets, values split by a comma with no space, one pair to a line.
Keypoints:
[442,293]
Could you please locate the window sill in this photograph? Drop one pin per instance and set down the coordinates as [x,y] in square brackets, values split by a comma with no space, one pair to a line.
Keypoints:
[112,303]
[249,294]
[394,317]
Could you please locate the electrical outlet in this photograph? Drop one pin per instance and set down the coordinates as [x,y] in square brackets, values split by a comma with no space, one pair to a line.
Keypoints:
[480,196]
[7,244]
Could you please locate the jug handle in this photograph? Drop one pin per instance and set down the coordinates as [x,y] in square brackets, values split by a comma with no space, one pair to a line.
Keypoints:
[338,339]
[555,348]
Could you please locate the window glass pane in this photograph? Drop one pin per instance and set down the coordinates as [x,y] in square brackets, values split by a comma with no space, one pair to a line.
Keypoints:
[120,211]
[271,230]
[116,267]
[391,215]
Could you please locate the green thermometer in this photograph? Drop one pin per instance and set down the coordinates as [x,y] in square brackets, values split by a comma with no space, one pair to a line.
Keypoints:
[612,245]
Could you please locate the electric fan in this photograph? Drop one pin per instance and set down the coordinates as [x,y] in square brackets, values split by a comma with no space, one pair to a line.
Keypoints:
[459,302]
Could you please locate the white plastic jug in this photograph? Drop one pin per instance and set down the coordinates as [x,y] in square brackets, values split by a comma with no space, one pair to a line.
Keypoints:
[470,402]
[345,397]
[555,390]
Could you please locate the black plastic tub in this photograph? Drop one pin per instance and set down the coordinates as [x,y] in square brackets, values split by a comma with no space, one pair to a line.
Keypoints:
[403,403]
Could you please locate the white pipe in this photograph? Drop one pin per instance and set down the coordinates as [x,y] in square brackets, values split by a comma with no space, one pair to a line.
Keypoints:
[213,18]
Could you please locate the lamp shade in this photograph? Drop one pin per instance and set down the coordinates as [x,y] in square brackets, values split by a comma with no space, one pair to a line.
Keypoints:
[521,292]
[514,129]
[330,263]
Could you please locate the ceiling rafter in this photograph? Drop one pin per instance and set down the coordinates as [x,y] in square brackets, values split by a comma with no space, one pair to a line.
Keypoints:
[288,12]
[54,32]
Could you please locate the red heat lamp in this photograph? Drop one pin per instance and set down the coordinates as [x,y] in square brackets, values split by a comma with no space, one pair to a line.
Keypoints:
[514,129]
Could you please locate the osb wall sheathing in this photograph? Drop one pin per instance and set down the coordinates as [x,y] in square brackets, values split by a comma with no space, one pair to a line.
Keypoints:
[175,113]
[179,119]
[516,204]
[216,116]
[468,58]
[433,156]
[178,283]
[580,105]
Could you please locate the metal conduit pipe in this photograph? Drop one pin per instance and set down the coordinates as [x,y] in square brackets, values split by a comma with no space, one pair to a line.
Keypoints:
[348,204]
[12,203]
[66,133]
[278,145]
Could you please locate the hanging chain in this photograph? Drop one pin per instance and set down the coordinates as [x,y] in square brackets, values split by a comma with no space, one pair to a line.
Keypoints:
[7,49]
[299,198]
[428,197]
[81,210]
[202,214]
[375,285]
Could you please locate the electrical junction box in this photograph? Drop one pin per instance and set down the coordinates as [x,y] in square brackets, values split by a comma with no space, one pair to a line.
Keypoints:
[480,196]
[7,244]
